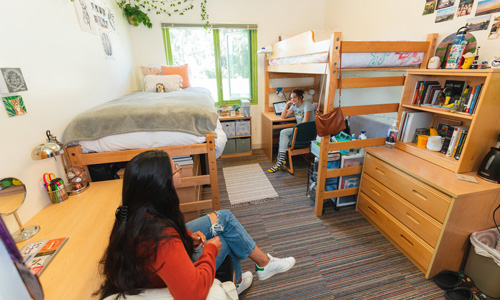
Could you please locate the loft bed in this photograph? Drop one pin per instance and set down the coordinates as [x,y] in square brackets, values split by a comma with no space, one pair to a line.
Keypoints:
[181,123]
[301,56]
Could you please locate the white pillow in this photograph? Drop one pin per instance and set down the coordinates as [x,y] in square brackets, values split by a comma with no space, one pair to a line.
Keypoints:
[218,291]
[170,83]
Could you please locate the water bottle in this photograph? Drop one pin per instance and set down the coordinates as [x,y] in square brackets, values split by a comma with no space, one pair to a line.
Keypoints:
[391,135]
[457,49]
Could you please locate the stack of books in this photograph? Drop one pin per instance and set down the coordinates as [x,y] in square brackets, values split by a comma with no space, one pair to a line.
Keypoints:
[454,141]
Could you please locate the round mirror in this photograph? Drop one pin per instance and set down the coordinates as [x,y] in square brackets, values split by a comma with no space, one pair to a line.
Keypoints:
[12,195]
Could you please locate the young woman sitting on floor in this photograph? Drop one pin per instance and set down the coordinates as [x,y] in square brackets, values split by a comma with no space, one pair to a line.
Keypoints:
[303,112]
[151,247]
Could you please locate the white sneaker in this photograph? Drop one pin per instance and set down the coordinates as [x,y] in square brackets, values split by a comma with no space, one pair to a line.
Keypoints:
[246,282]
[275,266]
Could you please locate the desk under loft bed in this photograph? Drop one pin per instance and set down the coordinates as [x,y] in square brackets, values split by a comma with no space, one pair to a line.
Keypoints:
[301,56]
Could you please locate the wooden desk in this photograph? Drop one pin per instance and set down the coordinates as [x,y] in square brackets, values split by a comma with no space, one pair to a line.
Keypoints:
[270,122]
[87,220]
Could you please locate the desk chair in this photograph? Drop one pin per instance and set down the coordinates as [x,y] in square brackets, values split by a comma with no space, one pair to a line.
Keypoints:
[303,134]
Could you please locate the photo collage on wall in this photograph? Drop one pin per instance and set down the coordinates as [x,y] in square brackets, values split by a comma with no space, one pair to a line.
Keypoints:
[447,10]
[97,19]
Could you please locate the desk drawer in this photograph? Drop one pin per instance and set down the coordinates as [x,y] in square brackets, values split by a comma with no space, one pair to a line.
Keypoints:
[400,235]
[424,226]
[426,198]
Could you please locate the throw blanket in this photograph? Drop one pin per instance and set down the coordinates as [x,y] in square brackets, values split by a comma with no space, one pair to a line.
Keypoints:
[190,110]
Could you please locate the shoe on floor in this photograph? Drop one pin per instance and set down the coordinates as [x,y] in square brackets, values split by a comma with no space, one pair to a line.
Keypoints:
[246,282]
[275,266]
[459,293]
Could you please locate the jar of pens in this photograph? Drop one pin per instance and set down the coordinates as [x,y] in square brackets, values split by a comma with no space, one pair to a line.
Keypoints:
[55,188]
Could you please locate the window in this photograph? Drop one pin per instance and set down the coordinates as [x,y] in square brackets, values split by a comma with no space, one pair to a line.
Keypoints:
[223,59]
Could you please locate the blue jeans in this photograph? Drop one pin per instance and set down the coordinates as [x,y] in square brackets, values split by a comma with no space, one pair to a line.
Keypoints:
[285,138]
[236,242]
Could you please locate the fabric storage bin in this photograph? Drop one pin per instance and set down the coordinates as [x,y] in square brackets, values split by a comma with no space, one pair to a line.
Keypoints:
[229,128]
[230,147]
[242,127]
[243,145]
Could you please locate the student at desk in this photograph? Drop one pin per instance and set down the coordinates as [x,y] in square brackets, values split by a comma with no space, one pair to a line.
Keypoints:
[303,111]
[150,247]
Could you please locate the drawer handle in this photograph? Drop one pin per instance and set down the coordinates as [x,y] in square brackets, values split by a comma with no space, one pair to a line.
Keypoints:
[375,192]
[380,171]
[406,240]
[412,218]
[420,194]
[371,209]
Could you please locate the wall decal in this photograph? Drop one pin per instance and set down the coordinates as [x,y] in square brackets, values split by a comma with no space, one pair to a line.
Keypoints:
[12,81]
[14,105]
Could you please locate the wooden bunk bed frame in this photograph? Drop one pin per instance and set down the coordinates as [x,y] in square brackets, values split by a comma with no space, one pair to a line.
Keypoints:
[304,44]
[80,159]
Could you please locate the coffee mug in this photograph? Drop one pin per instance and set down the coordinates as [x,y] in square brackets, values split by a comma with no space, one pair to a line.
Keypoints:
[434,143]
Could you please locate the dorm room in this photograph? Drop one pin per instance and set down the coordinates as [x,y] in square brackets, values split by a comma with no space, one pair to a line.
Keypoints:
[407,218]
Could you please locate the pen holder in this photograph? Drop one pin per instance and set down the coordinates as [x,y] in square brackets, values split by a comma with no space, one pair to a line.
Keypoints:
[59,195]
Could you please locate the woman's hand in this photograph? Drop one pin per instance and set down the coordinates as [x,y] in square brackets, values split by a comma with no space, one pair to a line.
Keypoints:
[198,239]
[216,241]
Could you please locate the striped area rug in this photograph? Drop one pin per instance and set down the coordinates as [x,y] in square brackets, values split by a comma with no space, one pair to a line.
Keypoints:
[247,184]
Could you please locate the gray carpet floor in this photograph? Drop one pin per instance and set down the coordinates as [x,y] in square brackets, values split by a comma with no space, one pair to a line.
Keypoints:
[339,255]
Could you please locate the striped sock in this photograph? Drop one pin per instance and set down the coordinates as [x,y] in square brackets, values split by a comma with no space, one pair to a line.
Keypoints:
[279,163]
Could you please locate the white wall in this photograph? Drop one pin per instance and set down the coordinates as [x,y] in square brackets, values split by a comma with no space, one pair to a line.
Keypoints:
[274,18]
[393,20]
[65,72]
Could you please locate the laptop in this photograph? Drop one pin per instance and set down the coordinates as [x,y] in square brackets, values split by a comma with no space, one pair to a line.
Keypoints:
[279,107]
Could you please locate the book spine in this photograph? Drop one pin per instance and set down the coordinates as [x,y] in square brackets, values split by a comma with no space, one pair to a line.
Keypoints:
[477,99]
[453,142]
[415,93]
[461,146]
[474,97]
[447,139]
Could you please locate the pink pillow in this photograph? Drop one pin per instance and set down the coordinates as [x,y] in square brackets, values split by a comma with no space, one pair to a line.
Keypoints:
[150,71]
[178,70]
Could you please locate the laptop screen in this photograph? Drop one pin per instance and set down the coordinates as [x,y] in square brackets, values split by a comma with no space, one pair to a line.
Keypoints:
[279,107]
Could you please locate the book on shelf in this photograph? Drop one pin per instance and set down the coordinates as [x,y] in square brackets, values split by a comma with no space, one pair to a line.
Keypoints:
[416,92]
[447,138]
[38,255]
[456,86]
[423,91]
[427,91]
[414,120]
[436,94]
[475,99]
[454,139]
[461,143]
[402,125]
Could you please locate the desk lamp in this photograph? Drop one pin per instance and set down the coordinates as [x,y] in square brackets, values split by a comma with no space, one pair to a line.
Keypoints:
[76,176]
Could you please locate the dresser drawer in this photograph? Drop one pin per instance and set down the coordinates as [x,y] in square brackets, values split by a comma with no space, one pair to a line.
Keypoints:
[405,239]
[420,223]
[428,199]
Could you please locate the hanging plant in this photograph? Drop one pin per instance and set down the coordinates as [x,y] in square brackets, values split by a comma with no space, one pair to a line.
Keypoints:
[173,7]
[134,14]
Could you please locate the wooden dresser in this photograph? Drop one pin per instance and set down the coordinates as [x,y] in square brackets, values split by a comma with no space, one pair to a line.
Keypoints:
[423,209]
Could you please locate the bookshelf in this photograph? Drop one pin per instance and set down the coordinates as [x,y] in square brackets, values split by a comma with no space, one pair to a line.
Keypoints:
[484,124]
[239,136]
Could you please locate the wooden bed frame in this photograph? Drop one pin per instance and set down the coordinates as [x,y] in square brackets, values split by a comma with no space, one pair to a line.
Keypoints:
[304,44]
[80,159]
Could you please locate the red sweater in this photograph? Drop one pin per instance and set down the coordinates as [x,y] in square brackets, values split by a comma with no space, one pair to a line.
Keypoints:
[184,279]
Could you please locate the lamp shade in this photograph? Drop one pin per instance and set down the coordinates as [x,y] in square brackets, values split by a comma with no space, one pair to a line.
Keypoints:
[51,148]
[46,150]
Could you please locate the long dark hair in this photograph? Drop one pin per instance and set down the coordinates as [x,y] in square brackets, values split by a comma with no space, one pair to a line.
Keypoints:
[152,205]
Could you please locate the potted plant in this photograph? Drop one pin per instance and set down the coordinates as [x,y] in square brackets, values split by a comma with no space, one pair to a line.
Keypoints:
[134,14]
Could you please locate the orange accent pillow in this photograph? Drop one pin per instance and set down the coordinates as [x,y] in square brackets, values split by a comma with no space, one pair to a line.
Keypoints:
[178,70]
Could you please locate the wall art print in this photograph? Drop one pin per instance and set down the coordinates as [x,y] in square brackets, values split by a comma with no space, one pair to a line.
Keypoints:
[14,105]
[12,81]
[84,14]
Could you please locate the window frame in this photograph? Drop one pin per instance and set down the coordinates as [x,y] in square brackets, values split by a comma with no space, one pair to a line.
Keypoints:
[252,29]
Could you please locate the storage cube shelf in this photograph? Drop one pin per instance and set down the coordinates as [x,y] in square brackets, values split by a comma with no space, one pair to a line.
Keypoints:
[484,124]
[239,136]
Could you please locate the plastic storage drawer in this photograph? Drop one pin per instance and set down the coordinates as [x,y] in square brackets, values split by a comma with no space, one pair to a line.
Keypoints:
[229,128]
[243,145]
[230,147]
[242,127]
